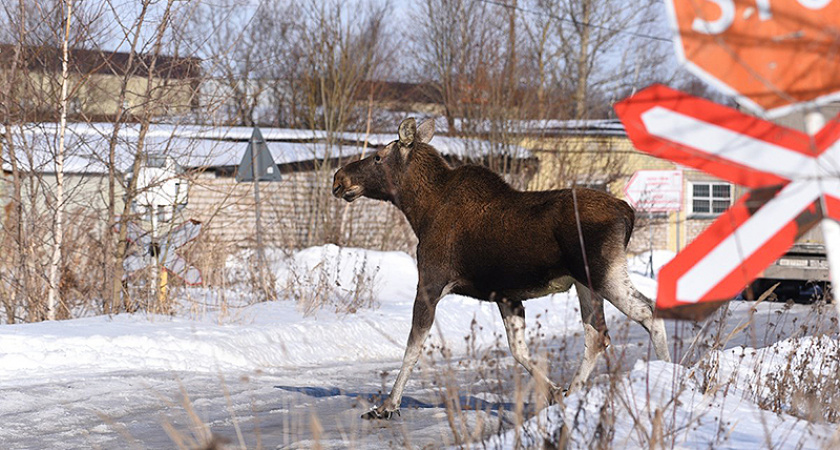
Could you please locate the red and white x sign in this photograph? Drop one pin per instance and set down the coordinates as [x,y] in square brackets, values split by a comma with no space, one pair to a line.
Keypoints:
[795,181]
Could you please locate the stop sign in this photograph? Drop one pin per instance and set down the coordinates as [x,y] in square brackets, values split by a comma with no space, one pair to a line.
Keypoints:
[770,54]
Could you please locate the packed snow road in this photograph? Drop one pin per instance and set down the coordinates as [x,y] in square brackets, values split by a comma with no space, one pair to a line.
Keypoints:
[294,407]
[272,375]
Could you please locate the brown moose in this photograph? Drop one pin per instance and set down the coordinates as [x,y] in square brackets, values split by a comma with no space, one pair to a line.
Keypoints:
[481,238]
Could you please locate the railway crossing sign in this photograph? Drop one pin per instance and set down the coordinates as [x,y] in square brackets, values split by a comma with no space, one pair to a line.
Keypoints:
[773,55]
[794,180]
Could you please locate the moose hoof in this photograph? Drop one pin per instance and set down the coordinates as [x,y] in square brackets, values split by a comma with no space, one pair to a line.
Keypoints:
[376,414]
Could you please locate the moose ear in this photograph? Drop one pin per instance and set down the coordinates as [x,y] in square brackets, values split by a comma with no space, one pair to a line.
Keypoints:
[426,131]
[408,129]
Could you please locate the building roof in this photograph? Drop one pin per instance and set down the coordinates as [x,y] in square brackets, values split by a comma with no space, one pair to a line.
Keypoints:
[605,127]
[399,92]
[196,146]
[92,61]
[545,127]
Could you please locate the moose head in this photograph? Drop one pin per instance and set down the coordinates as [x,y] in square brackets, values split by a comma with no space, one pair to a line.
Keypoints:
[381,175]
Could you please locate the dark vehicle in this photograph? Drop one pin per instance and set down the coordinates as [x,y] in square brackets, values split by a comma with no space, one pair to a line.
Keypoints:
[802,274]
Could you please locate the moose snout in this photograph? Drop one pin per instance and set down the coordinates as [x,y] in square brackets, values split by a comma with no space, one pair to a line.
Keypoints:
[344,188]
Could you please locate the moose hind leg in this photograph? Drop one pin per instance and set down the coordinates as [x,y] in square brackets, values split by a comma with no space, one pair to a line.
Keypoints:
[619,290]
[513,316]
[596,339]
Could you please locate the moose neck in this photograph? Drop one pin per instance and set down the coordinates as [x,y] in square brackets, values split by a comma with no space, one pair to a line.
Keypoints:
[422,187]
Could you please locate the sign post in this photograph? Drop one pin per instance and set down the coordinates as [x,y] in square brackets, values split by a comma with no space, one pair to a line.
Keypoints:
[258,165]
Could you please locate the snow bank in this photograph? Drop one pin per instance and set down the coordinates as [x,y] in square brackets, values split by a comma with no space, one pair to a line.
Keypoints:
[798,375]
[281,335]
[268,335]
[665,402]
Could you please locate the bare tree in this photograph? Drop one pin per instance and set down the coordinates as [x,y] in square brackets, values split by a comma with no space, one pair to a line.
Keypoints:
[336,56]
[460,43]
[250,56]
[150,100]
[115,251]
[224,32]
[280,43]
[38,35]
[43,88]
[541,53]
[596,48]
[40,19]
[15,281]
[58,221]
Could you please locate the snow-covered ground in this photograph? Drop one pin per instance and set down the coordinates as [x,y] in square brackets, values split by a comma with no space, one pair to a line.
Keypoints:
[285,374]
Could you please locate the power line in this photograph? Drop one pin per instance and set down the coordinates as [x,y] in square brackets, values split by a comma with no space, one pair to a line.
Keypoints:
[576,22]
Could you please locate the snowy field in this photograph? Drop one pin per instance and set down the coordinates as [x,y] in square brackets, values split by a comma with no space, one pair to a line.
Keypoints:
[287,375]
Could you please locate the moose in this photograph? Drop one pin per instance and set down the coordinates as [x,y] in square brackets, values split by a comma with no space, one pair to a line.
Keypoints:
[481,238]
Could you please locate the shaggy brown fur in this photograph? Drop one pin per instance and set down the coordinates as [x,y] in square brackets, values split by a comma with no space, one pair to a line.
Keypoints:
[481,238]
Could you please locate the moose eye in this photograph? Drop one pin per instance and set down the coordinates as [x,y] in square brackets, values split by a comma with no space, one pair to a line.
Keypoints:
[377,158]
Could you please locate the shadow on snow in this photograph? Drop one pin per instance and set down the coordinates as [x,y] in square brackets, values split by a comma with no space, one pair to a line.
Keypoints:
[467,403]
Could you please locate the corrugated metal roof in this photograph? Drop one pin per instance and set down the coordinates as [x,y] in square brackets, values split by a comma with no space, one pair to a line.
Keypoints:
[196,146]
[606,127]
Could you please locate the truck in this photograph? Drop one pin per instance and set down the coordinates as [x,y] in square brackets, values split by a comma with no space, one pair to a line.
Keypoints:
[802,273]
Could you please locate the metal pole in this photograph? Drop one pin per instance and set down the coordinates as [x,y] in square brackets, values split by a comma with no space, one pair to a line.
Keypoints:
[260,252]
[156,290]
[254,166]
[814,121]
[650,239]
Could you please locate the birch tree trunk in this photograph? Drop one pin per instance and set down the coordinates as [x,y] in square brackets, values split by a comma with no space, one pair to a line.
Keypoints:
[58,225]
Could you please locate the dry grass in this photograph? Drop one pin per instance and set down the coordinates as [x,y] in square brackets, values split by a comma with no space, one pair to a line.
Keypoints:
[483,394]
[326,286]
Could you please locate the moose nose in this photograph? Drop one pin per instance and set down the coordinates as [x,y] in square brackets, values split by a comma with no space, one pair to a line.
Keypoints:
[338,186]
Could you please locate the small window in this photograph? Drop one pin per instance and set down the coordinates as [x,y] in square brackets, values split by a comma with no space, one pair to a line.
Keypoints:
[156,161]
[596,185]
[710,198]
[74,106]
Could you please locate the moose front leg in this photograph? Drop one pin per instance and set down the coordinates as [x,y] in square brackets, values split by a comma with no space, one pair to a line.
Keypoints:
[421,324]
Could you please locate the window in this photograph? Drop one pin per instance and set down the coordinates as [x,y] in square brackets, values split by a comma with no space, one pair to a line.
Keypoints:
[74,106]
[710,198]
[596,185]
